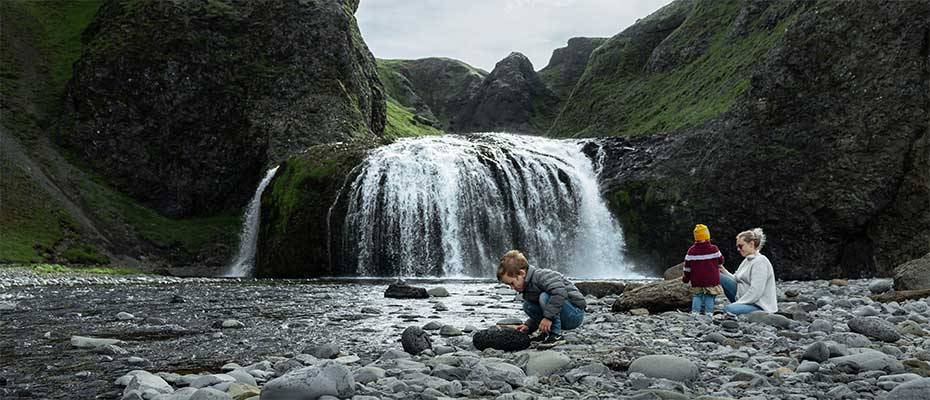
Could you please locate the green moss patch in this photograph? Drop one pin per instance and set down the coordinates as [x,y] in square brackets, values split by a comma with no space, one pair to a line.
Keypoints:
[30,220]
[63,269]
[403,122]
[61,23]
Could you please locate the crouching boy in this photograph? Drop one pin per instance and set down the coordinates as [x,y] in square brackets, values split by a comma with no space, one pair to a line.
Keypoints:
[551,301]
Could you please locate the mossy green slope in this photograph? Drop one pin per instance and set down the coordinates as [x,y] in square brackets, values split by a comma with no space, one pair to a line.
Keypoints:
[407,114]
[40,41]
[677,68]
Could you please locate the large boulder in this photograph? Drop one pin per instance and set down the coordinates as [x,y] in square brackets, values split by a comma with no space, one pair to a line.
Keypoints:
[181,104]
[500,339]
[327,379]
[913,275]
[655,297]
[795,118]
[405,291]
[600,288]
[511,99]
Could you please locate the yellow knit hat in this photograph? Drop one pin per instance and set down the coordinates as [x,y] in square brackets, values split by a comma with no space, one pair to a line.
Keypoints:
[701,233]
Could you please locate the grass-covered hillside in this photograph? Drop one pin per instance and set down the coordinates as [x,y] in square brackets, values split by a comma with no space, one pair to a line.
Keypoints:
[432,90]
[679,67]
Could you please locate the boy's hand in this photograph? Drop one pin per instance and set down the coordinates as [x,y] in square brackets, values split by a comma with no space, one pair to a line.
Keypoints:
[545,325]
[522,328]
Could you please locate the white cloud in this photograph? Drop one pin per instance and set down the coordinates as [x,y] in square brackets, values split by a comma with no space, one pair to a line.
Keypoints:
[482,32]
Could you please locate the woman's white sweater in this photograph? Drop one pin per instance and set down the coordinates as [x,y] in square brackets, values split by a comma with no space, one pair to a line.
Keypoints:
[755,283]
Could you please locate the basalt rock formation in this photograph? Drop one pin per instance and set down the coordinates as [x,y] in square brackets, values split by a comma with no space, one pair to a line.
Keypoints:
[181,104]
[826,147]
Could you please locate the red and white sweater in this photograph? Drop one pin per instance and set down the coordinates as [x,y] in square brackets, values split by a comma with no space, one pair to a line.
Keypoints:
[701,265]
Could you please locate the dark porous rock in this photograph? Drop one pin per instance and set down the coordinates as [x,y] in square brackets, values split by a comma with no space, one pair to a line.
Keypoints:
[656,297]
[404,291]
[913,275]
[676,272]
[180,105]
[500,339]
[600,288]
[875,328]
[415,340]
[901,296]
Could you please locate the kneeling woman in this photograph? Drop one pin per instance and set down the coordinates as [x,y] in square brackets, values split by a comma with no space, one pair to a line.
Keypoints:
[752,288]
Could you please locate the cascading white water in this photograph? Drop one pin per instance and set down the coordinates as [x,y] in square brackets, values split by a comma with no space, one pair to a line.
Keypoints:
[248,237]
[452,205]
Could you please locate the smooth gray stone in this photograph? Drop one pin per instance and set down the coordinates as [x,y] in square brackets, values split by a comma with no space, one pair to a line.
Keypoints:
[449,330]
[776,320]
[329,378]
[917,389]
[180,394]
[86,342]
[665,366]
[438,291]
[504,372]
[209,394]
[142,381]
[546,363]
[850,339]
[865,311]
[593,369]
[817,351]
[808,366]
[366,375]
[881,286]
[210,380]
[325,352]
[820,325]
[867,361]
[243,377]
[432,326]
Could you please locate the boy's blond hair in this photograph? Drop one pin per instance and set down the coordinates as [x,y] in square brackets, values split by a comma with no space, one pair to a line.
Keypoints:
[511,264]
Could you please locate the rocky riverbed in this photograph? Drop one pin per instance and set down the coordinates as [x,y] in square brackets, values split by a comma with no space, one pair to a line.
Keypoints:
[196,339]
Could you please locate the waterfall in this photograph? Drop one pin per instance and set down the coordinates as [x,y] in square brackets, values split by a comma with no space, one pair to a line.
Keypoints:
[248,235]
[452,205]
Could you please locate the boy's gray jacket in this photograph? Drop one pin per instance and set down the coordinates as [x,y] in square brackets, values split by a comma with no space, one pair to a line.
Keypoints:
[539,280]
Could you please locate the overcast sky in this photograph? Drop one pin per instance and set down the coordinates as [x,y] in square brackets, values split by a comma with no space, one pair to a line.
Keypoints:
[482,32]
